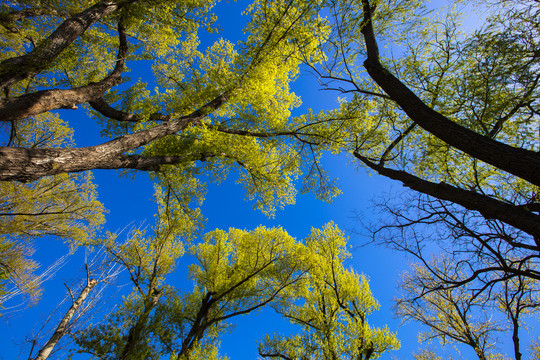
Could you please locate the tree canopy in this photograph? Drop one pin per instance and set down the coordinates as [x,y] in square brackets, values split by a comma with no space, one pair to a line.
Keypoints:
[189,125]
[453,115]
[450,114]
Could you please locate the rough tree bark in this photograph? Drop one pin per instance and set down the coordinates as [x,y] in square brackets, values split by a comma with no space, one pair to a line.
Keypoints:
[28,164]
[19,68]
[42,101]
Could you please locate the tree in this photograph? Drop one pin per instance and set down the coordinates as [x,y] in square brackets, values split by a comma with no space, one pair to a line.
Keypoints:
[331,308]
[459,314]
[461,257]
[427,354]
[57,56]
[218,94]
[458,117]
[485,251]
[99,271]
[535,348]
[467,138]
[237,272]
[517,298]
[448,313]
[61,329]
[147,259]
[63,206]
[451,115]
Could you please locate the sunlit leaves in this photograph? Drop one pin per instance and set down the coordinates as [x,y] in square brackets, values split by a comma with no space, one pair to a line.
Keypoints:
[450,313]
[63,206]
[331,308]
[16,267]
[242,264]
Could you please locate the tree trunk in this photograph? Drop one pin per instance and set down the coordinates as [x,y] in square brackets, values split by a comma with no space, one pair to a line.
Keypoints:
[479,353]
[61,329]
[487,206]
[198,327]
[19,68]
[29,164]
[515,338]
[42,101]
[520,162]
[134,334]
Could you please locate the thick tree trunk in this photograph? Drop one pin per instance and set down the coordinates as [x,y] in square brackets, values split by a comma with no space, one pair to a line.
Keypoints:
[19,68]
[198,327]
[487,206]
[520,162]
[28,164]
[42,101]
[61,329]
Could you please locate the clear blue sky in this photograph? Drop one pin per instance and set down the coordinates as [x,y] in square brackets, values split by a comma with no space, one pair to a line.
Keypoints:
[225,206]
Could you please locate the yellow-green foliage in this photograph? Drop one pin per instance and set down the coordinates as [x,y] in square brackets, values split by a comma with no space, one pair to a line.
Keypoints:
[257,76]
[331,308]
[238,272]
[535,348]
[63,206]
[202,353]
[150,256]
[258,260]
[451,314]
[16,266]
[482,81]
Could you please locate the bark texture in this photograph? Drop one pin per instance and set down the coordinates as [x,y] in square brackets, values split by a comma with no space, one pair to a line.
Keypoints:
[19,68]
[29,164]
[62,327]
[42,101]
[520,162]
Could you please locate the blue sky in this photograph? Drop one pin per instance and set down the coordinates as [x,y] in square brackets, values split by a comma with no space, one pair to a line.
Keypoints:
[130,202]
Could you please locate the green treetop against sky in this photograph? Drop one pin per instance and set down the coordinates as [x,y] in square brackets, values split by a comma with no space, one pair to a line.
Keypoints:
[231,123]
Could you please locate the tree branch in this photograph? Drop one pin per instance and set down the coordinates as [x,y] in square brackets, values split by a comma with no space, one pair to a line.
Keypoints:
[101,106]
[42,101]
[22,67]
[487,206]
[28,164]
[520,162]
